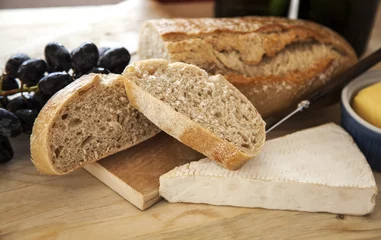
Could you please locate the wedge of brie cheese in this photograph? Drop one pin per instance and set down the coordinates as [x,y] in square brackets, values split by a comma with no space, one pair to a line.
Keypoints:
[316,170]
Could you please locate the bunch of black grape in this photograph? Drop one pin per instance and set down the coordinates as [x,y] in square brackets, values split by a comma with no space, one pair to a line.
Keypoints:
[27,84]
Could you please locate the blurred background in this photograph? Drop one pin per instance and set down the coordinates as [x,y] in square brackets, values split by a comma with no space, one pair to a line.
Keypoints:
[353,19]
[6,4]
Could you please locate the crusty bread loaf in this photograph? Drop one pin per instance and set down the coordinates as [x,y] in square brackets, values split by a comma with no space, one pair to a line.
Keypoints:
[88,120]
[274,62]
[206,113]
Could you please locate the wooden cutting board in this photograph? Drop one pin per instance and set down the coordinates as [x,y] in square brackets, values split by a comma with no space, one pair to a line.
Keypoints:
[77,206]
[134,173]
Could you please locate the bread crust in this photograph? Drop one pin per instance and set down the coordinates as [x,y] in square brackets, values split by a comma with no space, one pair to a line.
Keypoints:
[187,131]
[173,29]
[261,90]
[41,135]
[271,94]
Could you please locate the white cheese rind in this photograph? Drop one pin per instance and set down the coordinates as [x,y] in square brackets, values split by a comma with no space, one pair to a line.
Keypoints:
[315,170]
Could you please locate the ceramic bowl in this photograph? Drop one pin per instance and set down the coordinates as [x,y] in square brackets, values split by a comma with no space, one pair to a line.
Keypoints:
[366,135]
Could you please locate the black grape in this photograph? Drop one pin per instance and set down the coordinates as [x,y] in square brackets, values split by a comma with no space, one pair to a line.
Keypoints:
[32,103]
[54,82]
[115,60]
[57,57]
[6,151]
[10,125]
[3,101]
[27,117]
[9,83]
[14,62]
[31,71]
[85,57]
[49,69]
[40,100]
[16,104]
[22,102]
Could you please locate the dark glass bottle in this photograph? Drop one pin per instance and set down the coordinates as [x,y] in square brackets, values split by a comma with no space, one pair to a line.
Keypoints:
[228,8]
[353,19]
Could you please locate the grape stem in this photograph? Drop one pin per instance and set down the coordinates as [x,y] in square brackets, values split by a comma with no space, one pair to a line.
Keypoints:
[19,90]
[24,88]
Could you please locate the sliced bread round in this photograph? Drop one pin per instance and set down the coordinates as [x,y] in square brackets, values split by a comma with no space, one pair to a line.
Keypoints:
[206,113]
[86,121]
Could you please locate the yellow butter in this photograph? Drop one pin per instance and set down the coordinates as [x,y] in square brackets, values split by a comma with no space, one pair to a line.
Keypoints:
[367,104]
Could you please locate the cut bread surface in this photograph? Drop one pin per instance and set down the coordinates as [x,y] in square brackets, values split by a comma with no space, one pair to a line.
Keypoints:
[211,103]
[89,120]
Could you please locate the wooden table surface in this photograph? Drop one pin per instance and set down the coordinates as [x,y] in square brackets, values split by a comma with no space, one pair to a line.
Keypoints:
[78,206]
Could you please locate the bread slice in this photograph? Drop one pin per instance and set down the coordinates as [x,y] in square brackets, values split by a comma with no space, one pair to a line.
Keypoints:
[88,120]
[274,62]
[206,113]
[315,170]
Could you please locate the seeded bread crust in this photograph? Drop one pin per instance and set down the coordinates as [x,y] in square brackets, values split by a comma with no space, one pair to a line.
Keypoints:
[182,127]
[41,138]
[274,62]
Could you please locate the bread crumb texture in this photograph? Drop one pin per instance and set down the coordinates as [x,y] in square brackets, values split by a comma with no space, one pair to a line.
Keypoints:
[212,102]
[99,122]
